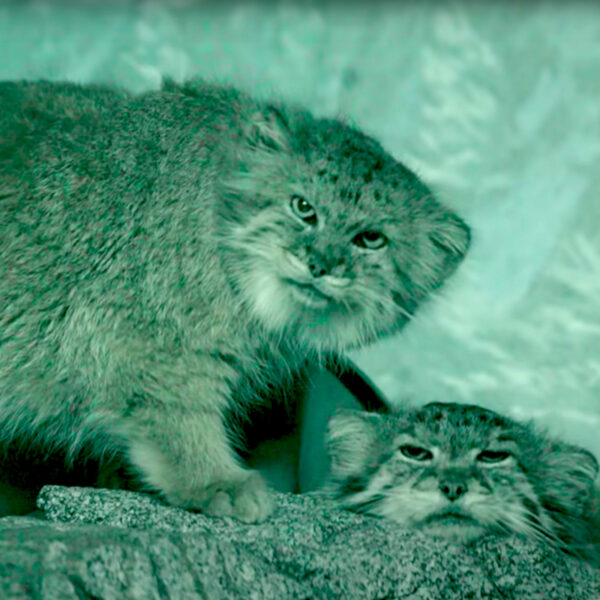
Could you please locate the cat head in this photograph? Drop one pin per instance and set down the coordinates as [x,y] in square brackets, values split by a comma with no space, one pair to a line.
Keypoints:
[330,237]
[460,471]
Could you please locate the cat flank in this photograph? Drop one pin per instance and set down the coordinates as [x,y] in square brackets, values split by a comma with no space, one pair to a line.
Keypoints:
[460,471]
[166,256]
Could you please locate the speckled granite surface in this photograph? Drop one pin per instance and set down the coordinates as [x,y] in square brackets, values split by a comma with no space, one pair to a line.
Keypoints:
[104,544]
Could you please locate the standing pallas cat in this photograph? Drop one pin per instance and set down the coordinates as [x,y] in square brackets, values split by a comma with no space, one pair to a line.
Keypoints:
[164,253]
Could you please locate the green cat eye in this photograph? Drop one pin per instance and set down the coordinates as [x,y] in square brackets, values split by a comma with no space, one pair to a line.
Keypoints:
[303,209]
[416,452]
[493,456]
[372,240]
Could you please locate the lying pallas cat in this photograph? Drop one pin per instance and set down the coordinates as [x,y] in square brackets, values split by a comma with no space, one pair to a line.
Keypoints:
[461,471]
[168,256]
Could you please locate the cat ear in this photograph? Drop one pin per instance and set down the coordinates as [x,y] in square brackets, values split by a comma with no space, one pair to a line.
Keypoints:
[444,239]
[571,473]
[269,130]
[350,437]
[449,238]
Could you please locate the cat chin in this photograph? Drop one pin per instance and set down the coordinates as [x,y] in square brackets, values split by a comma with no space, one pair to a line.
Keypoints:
[457,527]
[284,306]
[309,296]
[454,530]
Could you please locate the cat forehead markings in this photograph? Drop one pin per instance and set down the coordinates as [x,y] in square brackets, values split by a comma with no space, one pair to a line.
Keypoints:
[346,157]
[458,427]
[353,185]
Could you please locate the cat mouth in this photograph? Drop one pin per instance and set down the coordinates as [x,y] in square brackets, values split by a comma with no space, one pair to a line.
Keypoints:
[454,526]
[308,294]
[450,518]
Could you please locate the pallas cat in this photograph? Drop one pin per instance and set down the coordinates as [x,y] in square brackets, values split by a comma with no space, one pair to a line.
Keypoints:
[165,256]
[461,471]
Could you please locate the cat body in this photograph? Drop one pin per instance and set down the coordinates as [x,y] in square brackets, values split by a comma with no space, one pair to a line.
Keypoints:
[169,255]
[460,471]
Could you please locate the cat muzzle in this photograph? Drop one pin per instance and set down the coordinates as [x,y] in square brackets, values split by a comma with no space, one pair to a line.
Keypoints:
[309,294]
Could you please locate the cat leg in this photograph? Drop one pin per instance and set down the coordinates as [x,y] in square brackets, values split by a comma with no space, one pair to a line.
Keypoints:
[186,455]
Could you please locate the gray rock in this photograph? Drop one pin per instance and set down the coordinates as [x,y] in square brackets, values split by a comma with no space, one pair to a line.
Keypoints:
[104,544]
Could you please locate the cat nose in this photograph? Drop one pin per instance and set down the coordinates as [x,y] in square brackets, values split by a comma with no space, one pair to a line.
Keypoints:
[453,490]
[317,266]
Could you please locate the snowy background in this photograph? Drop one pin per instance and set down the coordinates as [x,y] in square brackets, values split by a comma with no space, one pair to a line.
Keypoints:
[495,104]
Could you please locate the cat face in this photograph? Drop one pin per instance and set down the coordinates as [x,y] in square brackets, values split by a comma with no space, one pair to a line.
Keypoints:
[459,471]
[330,237]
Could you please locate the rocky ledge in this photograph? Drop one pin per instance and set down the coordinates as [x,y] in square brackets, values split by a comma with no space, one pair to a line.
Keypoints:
[103,544]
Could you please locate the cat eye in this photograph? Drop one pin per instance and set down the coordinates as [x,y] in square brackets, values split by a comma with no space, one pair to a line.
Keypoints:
[303,209]
[416,452]
[371,240]
[493,456]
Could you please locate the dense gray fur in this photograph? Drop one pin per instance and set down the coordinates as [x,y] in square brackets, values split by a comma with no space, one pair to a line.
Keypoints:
[483,473]
[157,261]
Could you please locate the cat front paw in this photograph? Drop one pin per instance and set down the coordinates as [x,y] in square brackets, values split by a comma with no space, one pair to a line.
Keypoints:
[247,499]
